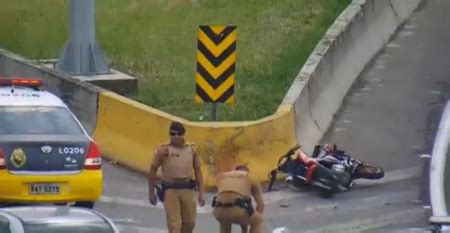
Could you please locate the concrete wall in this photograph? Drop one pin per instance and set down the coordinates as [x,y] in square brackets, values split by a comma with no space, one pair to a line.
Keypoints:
[129,132]
[350,43]
[79,96]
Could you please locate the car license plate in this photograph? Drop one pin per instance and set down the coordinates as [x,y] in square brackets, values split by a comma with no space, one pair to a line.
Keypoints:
[44,188]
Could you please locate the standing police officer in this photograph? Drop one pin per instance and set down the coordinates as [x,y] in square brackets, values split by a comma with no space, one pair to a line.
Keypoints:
[233,203]
[179,162]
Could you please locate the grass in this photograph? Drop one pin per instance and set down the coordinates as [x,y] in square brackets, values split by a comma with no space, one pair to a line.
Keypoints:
[155,40]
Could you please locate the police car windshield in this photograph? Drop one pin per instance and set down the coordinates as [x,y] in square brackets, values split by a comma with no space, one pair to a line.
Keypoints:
[37,120]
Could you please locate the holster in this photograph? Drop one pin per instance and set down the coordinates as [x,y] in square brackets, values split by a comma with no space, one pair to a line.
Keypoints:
[160,192]
[243,202]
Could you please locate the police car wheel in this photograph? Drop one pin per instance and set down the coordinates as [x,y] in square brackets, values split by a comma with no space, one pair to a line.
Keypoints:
[5,205]
[85,204]
[60,203]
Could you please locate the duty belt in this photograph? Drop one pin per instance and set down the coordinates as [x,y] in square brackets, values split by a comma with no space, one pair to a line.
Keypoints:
[243,202]
[190,184]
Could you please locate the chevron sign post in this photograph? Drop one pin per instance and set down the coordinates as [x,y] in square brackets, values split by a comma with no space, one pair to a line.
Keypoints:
[216,65]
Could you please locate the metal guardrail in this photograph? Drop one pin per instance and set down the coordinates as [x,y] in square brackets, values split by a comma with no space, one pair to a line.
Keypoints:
[438,166]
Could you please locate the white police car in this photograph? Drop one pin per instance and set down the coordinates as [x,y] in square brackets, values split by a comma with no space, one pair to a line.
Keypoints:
[45,153]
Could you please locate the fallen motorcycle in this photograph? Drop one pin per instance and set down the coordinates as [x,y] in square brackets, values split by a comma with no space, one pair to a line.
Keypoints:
[357,169]
[341,172]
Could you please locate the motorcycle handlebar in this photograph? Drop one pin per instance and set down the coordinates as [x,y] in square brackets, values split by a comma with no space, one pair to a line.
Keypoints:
[288,154]
[292,150]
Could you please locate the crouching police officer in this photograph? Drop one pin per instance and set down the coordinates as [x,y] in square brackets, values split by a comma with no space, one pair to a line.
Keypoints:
[233,203]
[179,161]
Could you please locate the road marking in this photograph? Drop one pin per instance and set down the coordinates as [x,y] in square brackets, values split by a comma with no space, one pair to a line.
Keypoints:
[391,176]
[135,229]
[281,230]
[140,203]
[320,207]
[275,196]
[407,33]
[393,45]
[410,26]
[372,223]
[434,92]
[395,175]
[125,221]
[380,66]
[365,89]
[411,230]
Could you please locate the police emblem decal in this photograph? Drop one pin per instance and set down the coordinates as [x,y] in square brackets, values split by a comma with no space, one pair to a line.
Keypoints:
[18,158]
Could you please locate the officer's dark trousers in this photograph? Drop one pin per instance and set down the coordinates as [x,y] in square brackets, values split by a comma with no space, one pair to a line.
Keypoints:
[236,215]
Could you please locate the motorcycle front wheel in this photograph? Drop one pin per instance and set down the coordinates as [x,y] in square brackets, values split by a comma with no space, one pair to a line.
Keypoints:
[368,171]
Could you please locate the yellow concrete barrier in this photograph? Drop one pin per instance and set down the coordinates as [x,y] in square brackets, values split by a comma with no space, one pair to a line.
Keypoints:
[128,132]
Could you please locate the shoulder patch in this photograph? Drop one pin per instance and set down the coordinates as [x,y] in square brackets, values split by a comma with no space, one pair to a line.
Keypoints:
[190,144]
[193,146]
[162,149]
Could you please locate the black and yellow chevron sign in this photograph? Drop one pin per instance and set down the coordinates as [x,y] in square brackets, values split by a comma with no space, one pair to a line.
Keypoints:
[216,64]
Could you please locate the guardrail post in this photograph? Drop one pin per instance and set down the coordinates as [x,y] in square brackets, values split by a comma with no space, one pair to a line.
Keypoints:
[82,55]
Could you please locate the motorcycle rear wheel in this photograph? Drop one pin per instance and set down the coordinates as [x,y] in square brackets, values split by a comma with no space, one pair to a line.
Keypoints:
[369,171]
